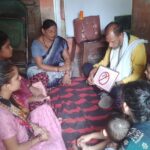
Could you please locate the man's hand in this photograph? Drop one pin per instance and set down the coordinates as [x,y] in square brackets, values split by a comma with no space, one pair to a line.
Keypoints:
[91,76]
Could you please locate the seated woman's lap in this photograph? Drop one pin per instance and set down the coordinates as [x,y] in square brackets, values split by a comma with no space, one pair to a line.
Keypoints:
[49,79]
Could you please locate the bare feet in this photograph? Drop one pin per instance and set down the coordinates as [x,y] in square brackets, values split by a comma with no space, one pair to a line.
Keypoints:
[66,80]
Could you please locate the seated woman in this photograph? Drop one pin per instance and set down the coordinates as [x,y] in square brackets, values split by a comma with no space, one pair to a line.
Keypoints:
[21,130]
[50,55]
[12,134]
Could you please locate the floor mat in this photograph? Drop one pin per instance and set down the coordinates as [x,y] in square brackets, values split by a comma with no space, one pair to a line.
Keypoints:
[77,105]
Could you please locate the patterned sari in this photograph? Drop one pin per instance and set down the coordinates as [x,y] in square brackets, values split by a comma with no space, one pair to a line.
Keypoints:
[52,57]
[14,121]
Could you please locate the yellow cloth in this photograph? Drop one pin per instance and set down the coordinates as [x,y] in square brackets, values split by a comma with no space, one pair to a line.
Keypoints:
[138,60]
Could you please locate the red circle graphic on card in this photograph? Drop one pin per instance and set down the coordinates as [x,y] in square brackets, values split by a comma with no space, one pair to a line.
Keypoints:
[104,78]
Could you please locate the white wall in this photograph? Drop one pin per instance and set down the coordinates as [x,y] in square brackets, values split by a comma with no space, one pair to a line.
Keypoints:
[106,9]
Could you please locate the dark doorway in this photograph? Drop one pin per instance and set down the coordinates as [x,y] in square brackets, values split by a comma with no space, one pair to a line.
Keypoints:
[13,21]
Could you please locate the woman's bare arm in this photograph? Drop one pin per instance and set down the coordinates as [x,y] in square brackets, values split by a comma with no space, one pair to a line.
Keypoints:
[41,65]
[67,60]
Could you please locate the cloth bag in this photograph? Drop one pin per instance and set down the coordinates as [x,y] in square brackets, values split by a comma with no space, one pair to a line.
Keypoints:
[87,29]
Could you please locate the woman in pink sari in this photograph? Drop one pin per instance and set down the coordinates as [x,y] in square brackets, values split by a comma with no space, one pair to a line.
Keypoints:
[19,129]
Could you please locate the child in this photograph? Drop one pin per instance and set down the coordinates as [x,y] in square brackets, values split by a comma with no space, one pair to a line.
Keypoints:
[15,131]
[115,131]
